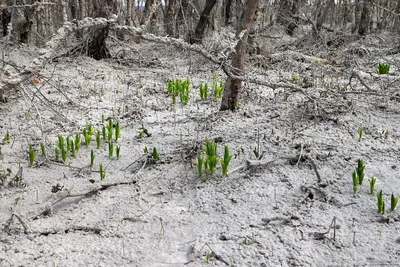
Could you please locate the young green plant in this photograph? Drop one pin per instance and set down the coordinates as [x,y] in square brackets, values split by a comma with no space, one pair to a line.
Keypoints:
[203,91]
[43,149]
[77,142]
[98,140]
[393,202]
[372,185]
[225,161]
[155,154]
[92,156]
[102,172]
[117,132]
[110,130]
[7,137]
[110,149]
[383,68]
[200,162]
[32,155]
[381,203]
[360,133]
[143,131]
[118,150]
[211,160]
[360,171]
[355,181]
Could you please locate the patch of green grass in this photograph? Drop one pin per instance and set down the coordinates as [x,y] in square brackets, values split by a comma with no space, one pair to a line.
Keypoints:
[383,68]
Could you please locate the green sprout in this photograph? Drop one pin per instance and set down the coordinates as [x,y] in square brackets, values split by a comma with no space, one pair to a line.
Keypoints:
[98,140]
[372,185]
[217,85]
[294,78]
[199,164]
[102,118]
[179,88]
[355,181]
[87,135]
[110,130]
[143,131]
[102,172]
[92,156]
[61,143]
[57,152]
[393,202]
[381,203]
[110,149]
[77,142]
[211,159]
[7,137]
[155,154]
[64,154]
[208,256]
[118,150]
[360,133]
[117,131]
[73,149]
[32,155]
[360,171]
[203,91]
[225,161]
[62,148]
[383,68]
[145,150]
[43,149]
[103,133]
[68,143]
[245,241]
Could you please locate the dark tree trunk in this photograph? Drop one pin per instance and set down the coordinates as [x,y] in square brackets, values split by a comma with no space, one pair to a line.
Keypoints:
[233,85]
[294,9]
[228,12]
[170,18]
[5,20]
[365,17]
[97,48]
[197,36]
[322,12]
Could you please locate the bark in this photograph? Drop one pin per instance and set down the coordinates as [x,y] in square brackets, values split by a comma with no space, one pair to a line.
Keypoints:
[170,18]
[322,12]
[365,18]
[228,12]
[5,20]
[357,15]
[234,85]
[198,34]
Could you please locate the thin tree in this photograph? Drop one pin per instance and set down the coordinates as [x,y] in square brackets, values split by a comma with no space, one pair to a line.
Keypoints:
[197,36]
[170,18]
[234,84]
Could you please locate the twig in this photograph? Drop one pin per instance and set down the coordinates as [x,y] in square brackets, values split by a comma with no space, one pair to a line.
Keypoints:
[217,256]
[9,221]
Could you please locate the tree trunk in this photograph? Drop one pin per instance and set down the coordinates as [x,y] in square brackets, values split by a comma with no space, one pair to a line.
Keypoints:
[291,27]
[322,12]
[365,18]
[233,85]
[197,36]
[170,18]
[357,15]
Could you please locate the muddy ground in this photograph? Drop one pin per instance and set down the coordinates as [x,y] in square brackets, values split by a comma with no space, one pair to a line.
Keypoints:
[293,207]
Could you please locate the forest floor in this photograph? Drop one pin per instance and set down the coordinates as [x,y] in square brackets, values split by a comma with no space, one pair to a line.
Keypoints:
[293,207]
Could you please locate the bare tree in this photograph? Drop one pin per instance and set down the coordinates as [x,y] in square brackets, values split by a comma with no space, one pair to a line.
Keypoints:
[197,36]
[321,14]
[234,84]
[365,17]
[170,18]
